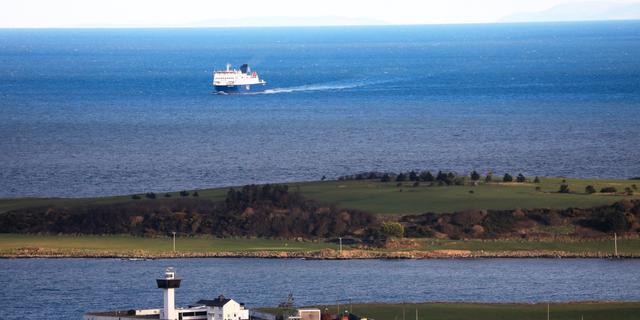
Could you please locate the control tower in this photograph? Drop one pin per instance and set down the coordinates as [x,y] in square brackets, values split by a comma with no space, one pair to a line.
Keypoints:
[167,284]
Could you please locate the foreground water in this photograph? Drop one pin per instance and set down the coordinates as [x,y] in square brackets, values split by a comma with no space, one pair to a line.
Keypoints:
[95,112]
[65,288]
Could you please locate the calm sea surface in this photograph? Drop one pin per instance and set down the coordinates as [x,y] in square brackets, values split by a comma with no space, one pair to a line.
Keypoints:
[97,112]
[65,288]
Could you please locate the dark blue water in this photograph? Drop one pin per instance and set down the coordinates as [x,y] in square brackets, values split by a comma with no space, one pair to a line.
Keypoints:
[65,288]
[95,112]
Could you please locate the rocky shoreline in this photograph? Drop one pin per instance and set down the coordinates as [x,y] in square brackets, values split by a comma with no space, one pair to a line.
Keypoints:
[325,254]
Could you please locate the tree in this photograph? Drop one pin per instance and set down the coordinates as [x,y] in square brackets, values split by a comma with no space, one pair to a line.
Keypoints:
[392,229]
[401,177]
[475,176]
[135,197]
[536,180]
[323,178]
[413,176]
[195,194]
[564,188]
[609,190]
[520,178]
[426,176]
[488,178]
[628,191]
[590,189]
[150,195]
[184,193]
[385,178]
[507,178]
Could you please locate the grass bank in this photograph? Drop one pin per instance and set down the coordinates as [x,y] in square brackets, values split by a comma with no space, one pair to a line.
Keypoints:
[481,311]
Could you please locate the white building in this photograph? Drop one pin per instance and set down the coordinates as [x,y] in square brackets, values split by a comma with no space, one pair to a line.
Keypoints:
[220,308]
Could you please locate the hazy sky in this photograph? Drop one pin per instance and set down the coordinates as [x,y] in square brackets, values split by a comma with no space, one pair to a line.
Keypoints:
[122,13]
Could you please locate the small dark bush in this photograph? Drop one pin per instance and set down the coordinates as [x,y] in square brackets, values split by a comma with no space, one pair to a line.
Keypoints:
[590,189]
[184,193]
[135,197]
[536,180]
[475,176]
[628,191]
[195,194]
[385,178]
[488,178]
[609,190]
[564,188]
[538,188]
[401,177]
[507,178]
[150,195]
[521,178]
[167,195]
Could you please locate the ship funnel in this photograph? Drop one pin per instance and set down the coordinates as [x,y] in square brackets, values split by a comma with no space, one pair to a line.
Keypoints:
[245,69]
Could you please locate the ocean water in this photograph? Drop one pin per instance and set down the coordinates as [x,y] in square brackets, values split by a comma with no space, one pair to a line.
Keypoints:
[66,288]
[100,112]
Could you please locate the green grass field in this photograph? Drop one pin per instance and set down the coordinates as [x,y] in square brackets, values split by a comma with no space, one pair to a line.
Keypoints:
[122,244]
[126,244]
[477,311]
[387,198]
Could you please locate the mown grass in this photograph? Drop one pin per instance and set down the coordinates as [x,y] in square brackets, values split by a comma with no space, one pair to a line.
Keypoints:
[482,311]
[124,243]
[387,198]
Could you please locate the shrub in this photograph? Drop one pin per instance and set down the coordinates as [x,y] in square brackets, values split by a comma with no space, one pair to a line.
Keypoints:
[488,178]
[167,195]
[413,176]
[538,189]
[323,178]
[536,180]
[507,178]
[195,194]
[150,195]
[184,193]
[590,189]
[385,178]
[564,188]
[392,229]
[520,178]
[475,176]
[628,191]
[135,197]
[401,177]
[426,176]
[634,187]
[609,190]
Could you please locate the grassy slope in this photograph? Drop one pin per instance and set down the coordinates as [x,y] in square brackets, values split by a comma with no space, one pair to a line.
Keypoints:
[473,311]
[386,198]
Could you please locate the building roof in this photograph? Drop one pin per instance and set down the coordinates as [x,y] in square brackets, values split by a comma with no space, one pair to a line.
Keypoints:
[217,302]
[124,314]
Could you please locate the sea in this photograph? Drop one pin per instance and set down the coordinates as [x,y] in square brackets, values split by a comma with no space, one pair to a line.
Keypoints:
[67,288]
[92,112]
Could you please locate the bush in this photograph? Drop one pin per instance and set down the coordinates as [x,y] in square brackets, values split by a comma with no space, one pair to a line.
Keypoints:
[590,189]
[564,188]
[150,195]
[536,180]
[634,187]
[609,190]
[475,176]
[507,178]
[488,178]
[538,189]
[135,197]
[385,178]
[426,176]
[184,193]
[628,191]
[392,229]
[195,194]
[413,176]
[401,177]
[521,178]
[167,195]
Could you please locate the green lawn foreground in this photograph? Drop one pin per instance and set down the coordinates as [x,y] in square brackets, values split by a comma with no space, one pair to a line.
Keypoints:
[489,311]
[125,243]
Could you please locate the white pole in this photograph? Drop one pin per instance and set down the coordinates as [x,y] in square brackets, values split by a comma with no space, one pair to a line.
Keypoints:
[416,313]
[547,311]
[174,241]
[340,244]
[615,243]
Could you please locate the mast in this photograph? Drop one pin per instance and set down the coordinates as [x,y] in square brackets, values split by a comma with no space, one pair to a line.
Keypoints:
[615,244]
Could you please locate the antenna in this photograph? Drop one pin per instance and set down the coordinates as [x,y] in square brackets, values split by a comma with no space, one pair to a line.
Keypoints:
[615,244]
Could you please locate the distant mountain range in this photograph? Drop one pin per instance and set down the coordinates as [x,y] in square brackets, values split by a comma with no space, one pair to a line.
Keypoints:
[580,11]
[287,21]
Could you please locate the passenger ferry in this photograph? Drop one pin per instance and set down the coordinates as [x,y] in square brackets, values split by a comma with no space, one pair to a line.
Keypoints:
[236,80]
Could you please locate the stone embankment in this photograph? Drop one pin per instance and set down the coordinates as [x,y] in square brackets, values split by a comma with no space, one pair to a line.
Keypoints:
[326,254]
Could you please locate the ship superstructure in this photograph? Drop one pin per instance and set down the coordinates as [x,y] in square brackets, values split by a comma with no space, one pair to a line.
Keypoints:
[236,80]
